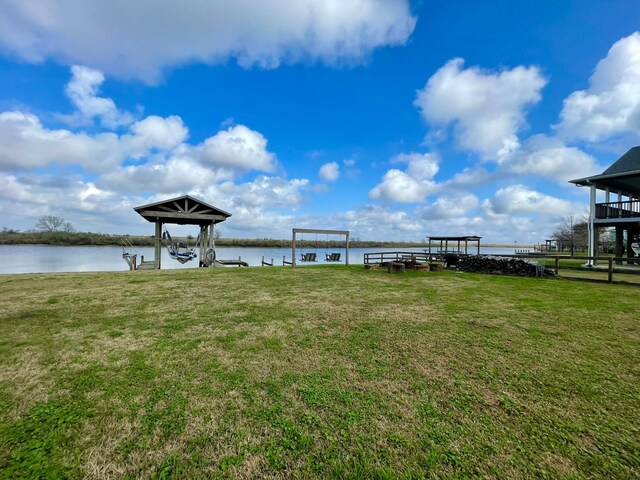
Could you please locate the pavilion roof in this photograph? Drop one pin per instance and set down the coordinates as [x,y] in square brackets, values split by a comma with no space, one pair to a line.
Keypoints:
[184,210]
[468,238]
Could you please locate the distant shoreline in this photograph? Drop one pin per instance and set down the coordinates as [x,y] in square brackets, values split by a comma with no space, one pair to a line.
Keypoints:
[98,239]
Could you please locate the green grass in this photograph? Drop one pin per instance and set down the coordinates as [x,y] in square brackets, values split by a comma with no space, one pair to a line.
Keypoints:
[330,372]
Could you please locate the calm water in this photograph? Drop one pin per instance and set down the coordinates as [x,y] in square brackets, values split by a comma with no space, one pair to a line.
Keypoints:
[43,258]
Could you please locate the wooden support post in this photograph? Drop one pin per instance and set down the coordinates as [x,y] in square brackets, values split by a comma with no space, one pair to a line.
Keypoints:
[610,279]
[346,256]
[619,243]
[557,266]
[630,254]
[158,245]
[293,248]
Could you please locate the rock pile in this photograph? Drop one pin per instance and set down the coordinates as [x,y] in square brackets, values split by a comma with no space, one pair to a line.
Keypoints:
[502,266]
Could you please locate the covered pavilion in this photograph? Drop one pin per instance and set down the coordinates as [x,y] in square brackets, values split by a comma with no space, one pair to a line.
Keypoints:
[458,241]
[184,210]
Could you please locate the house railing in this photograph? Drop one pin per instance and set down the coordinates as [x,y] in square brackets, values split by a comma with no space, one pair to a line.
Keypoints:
[626,209]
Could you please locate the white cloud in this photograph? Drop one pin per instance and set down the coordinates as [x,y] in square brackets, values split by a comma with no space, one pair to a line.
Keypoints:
[452,206]
[26,144]
[264,192]
[550,158]
[486,109]
[83,90]
[468,177]
[107,35]
[516,199]
[611,104]
[411,185]
[87,207]
[238,148]
[156,133]
[329,171]
[379,222]
[177,174]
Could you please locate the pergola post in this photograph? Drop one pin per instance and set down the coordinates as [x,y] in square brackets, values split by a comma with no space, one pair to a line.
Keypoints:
[293,248]
[347,252]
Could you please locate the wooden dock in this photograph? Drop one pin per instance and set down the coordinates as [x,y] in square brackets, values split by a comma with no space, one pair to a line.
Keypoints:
[381,258]
[232,263]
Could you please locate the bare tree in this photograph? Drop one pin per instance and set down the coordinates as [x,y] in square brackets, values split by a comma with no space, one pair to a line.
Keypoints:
[51,223]
[572,233]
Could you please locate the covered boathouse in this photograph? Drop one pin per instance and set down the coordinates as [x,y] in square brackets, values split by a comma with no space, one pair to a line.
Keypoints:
[184,210]
[620,209]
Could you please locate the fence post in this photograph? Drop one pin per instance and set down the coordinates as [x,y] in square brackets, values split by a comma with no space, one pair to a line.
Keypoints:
[610,279]
[557,266]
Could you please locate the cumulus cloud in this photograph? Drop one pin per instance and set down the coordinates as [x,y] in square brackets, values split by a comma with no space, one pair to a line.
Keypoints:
[516,199]
[26,144]
[469,177]
[410,185]
[27,197]
[156,133]
[379,222]
[452,206]
[107,35]
[611,104]
[549,157]
[83,90]
[264,192]
[329,171]
[486,109]
[239,148]
[177,174]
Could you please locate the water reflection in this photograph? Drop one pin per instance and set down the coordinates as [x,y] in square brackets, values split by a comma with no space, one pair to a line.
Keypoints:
[45,258]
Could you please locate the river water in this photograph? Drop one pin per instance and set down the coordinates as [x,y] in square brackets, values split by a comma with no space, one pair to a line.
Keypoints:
[45,258]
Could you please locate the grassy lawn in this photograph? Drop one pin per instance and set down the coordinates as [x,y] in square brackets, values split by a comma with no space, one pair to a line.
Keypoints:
[317,372]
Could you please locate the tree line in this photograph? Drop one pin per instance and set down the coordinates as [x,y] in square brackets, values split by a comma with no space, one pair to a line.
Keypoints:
[52,230]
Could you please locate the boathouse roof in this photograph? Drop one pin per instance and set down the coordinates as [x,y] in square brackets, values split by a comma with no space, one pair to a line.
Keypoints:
[184,210]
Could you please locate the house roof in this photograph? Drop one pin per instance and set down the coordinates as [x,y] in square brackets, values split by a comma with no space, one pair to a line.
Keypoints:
[629,162]
[184,210]
[623,175]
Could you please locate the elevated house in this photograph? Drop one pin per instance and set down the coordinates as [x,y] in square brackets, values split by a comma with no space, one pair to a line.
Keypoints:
[619,187]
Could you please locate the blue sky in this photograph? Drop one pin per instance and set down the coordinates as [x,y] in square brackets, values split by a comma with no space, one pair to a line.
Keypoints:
[393,119]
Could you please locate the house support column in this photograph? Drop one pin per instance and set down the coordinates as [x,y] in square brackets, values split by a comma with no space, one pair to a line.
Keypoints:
[619,243]
[592,229]
[632,231]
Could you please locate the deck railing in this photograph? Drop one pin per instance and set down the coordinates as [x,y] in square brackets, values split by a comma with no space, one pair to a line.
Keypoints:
[626,209]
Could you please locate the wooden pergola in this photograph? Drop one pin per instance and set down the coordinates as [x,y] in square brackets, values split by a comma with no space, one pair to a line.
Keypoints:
[184,210]
[296,231]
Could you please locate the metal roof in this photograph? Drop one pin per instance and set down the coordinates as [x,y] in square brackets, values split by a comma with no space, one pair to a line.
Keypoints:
[469,238]
[184,210]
